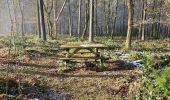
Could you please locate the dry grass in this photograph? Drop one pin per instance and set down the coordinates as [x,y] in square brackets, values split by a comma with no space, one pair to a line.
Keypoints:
[80,84]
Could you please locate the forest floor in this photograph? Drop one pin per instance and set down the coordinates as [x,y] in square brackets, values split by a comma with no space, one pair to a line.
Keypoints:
[83,82]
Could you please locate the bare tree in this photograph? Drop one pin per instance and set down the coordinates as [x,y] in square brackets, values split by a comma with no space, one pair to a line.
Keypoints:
[54,17]
[61,10]
[79,19]
[86,21]
[38,20]
[70,18]
[48,8]
[22,16]
[91,26]
[42,19]
[115,19]
[130,23]
[143,19]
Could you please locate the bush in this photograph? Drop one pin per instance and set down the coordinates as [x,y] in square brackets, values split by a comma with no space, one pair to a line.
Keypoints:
[111,44]
[163,79]
[155,85]
[147,61]
[5,41]
[151,90]
[15,43]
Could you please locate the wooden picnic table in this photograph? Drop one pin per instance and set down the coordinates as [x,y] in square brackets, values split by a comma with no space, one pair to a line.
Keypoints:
[96,49]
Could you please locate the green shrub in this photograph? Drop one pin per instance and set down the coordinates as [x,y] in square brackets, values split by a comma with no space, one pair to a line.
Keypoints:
[111,44]
[155,86]
[151,90]
[15,43]
[136,55]
[5,41]
[163,80]
[147,61]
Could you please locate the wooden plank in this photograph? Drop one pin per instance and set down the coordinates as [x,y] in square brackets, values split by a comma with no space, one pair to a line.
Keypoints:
[79,58]
[87,52]
[83,46]
[83,58]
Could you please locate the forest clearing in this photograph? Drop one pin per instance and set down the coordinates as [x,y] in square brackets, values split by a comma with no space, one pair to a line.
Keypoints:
[84,50]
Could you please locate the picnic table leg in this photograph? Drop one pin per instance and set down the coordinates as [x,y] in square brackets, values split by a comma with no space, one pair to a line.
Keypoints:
[101,53]
[66,62]
[101,62]
[67,55]
[102,59]
[97,50]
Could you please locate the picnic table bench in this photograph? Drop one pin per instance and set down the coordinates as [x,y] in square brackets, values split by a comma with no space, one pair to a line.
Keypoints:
[71,50]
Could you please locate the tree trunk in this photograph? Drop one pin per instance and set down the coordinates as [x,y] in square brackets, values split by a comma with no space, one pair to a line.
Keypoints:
[105,19]
[22,17]
[54,15]
[124,17]
[115,19]
[140,18]
[130,24]
[91,21]
[143,19]
[108,17]
[87,3]
[38,19]
[42,20]
[48,8]
[79,19]
[96,16]
[61,10]
[70,18]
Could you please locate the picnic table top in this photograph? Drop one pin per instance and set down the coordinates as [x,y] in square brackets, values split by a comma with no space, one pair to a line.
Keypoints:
[70,46]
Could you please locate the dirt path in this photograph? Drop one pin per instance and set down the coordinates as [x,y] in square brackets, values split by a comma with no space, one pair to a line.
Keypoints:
[81,83]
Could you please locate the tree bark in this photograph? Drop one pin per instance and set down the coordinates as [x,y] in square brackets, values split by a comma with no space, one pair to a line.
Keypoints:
[130,24]
[79,19]
[61,10]
[143,19]
[70,18]
[38,19]
[54,15]
[115,19]
[48,8]
[22,17]
[91,26]
[86,21]
[42,19]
